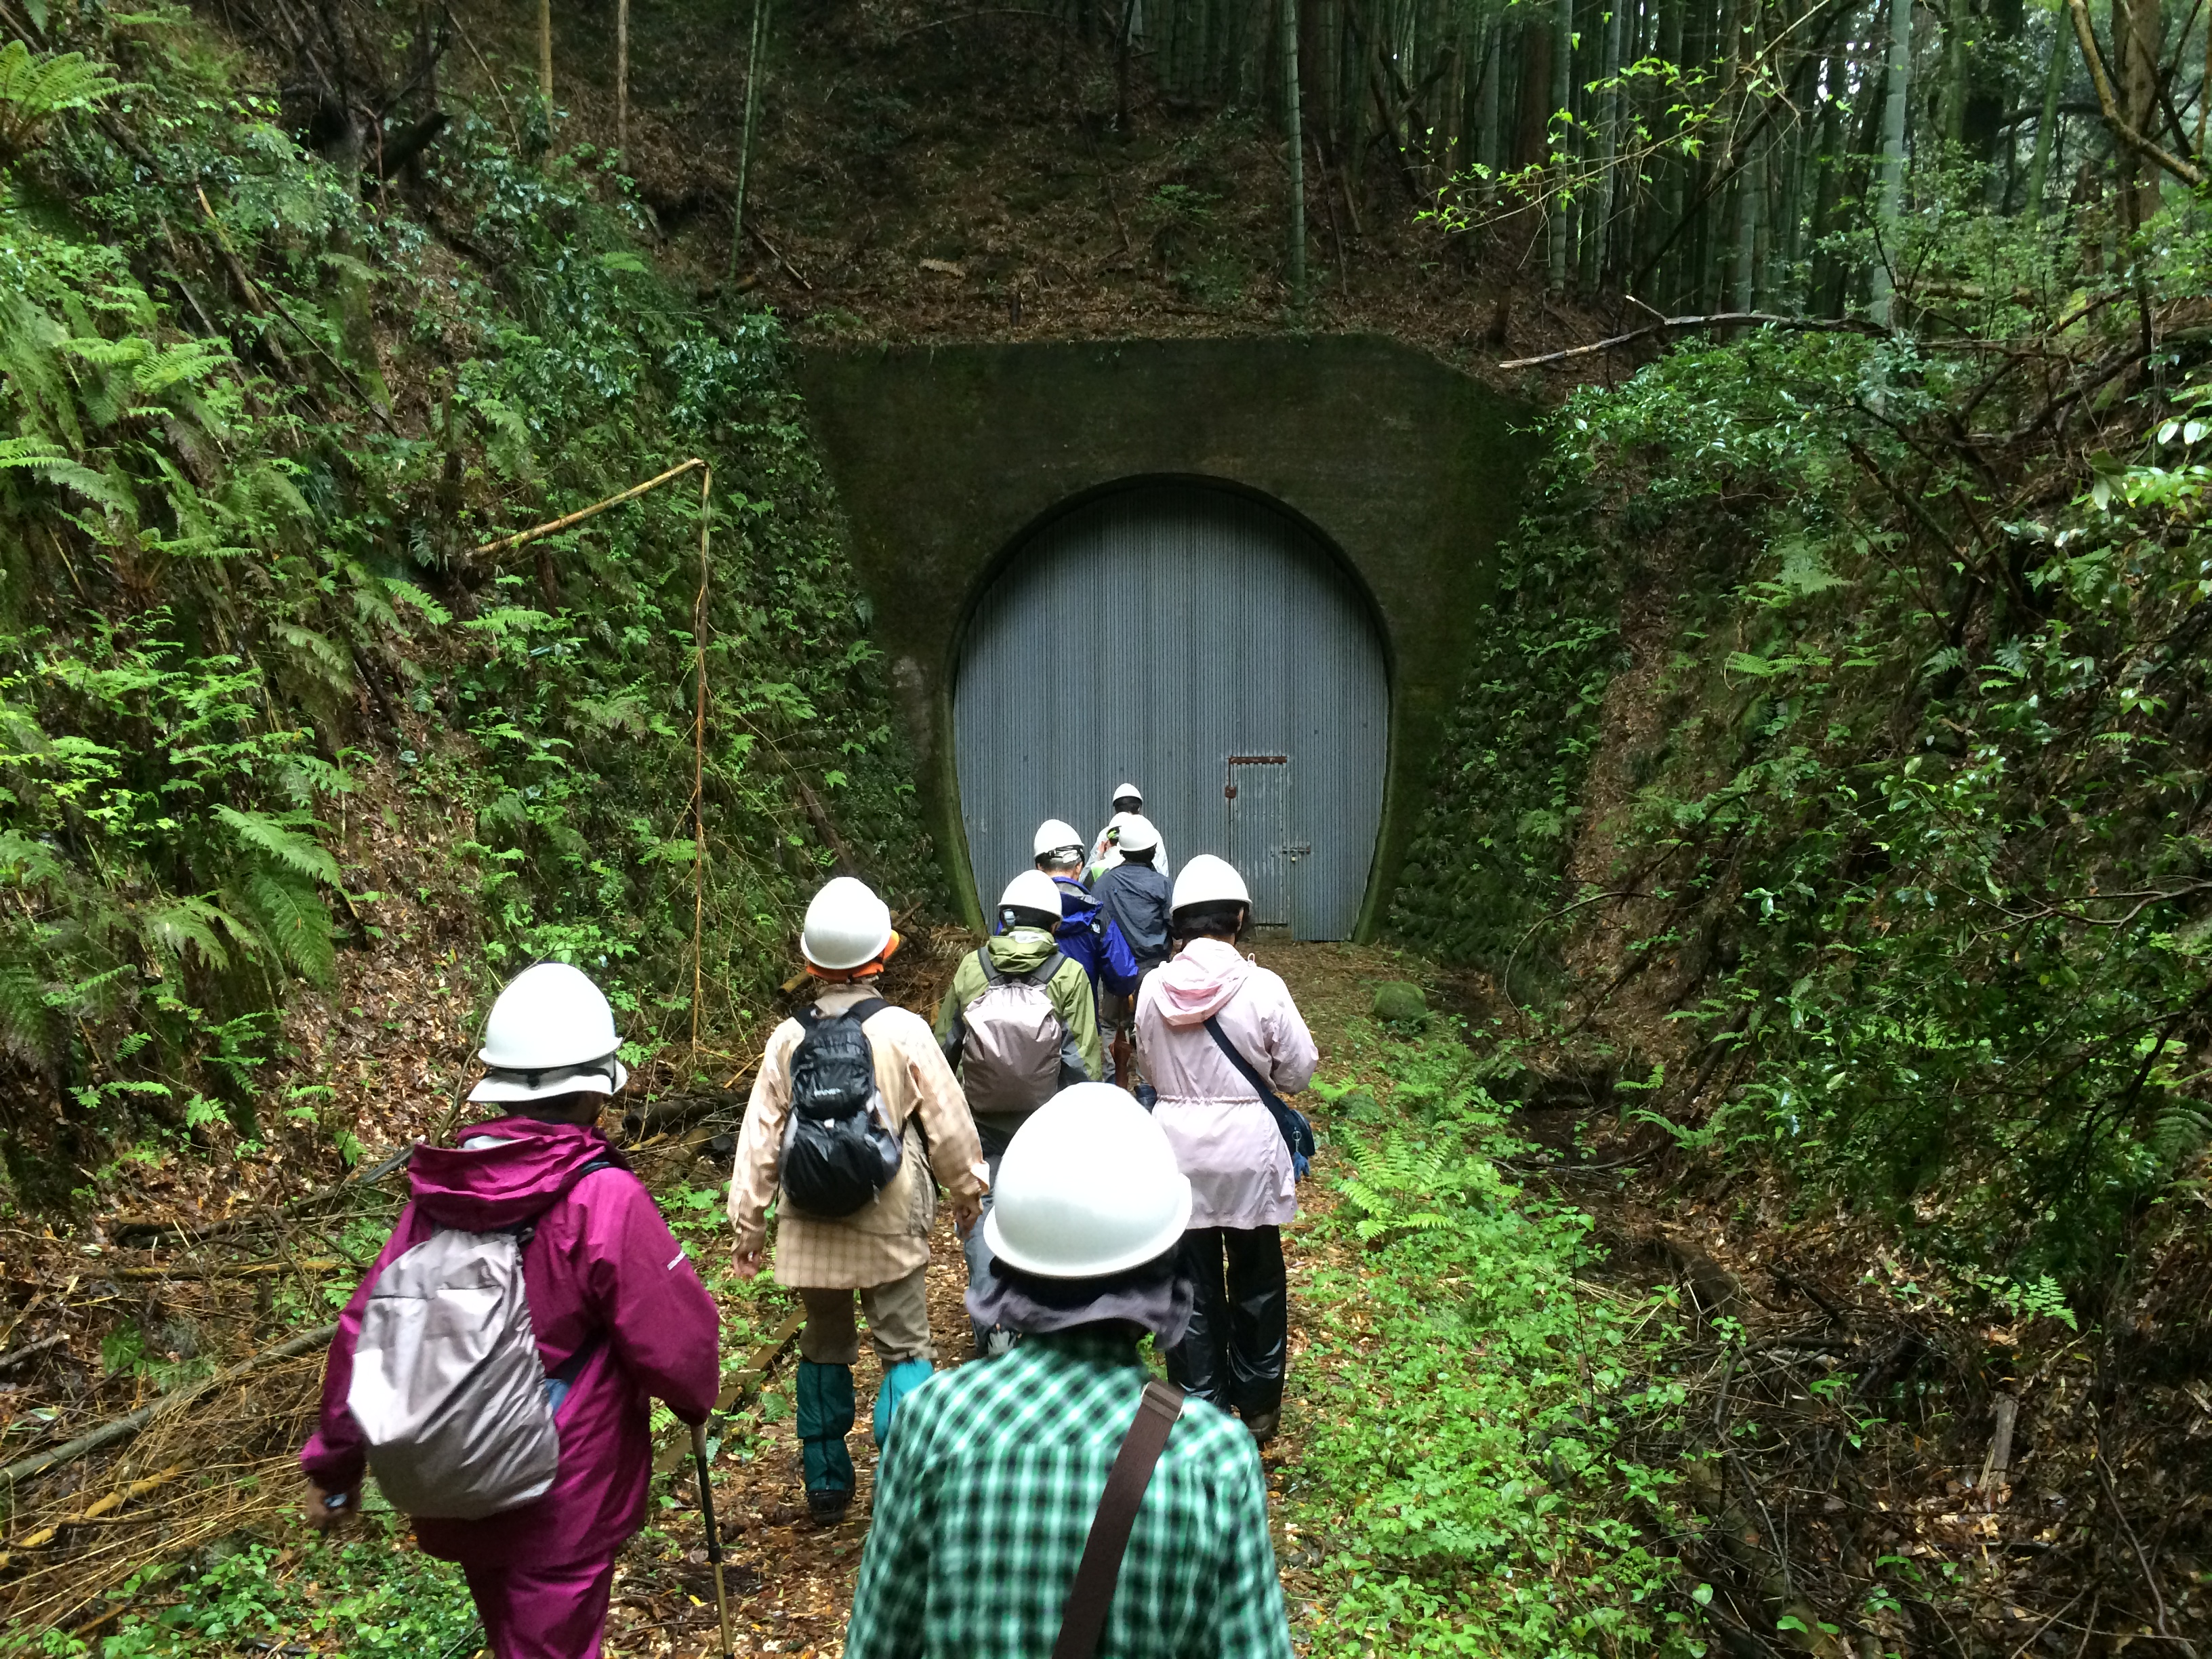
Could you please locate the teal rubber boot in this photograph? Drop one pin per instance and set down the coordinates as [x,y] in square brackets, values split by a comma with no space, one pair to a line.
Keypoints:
[902,1380]
[825,1417]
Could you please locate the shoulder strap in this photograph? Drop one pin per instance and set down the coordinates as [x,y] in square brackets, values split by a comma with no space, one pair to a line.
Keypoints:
[528,1229]
[1235,1056]
[1083,1620]
[992,974]
[1048,970]
[1296,1133]
[866,1009]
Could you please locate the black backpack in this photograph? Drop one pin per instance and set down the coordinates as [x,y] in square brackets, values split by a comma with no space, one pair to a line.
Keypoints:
[838,1149]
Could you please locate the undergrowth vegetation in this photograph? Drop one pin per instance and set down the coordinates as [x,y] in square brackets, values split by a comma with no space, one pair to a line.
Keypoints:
[1895,644]
[261,420]
[1465,1486]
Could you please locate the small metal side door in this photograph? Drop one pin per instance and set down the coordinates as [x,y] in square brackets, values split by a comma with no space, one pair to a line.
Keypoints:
[1258,810]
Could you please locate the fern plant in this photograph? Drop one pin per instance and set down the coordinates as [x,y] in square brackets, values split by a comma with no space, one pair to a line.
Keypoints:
[33,90]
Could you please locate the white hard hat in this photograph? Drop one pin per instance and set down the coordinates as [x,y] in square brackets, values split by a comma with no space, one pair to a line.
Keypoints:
[1089,1187]
[1137,834]
[1207,880]
[1052,834]
[549,1033]
[847,926]
[1032,890]
[1126,792]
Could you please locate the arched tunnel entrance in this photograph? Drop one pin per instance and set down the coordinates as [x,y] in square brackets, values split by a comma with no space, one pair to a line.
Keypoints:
[1205,644]
[1367,481]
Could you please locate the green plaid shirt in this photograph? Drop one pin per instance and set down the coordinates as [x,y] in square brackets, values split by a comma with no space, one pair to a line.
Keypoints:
[985,1496]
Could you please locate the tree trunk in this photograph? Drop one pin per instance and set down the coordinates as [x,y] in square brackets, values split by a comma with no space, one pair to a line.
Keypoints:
[1294,144]
[2138,89]
[1889,171]
[545,57]
[2046,125]
[1561,227]
[755,46]
[1600,235]
[622,78]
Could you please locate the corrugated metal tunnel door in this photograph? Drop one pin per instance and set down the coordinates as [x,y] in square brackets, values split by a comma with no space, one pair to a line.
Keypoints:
[1206,647]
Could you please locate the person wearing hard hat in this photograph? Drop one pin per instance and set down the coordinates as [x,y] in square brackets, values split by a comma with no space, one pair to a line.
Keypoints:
[1019,1023]
[1135,895]
[1086,933]
[1128,803]
[616,1309]
[1220,1039]
[880,1248]
[996,1487]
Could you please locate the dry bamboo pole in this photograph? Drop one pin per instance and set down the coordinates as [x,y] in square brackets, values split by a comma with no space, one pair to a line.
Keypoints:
[699,769]
[622,78]
[122,1428]
[508,544]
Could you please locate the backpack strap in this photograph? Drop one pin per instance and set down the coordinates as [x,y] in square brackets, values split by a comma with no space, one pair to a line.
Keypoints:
[528,1231]
[1047,971]
[1092,1593]
[991,973]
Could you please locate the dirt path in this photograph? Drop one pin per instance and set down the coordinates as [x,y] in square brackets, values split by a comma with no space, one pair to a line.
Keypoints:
[792,1581]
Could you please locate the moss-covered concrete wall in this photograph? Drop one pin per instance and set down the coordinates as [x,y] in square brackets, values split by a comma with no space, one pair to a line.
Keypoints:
[948,457]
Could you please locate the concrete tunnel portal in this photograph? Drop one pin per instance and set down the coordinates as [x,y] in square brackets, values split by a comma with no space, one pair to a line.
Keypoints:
[1302,532]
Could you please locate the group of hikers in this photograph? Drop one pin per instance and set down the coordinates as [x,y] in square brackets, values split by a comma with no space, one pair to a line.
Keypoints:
[495,1368]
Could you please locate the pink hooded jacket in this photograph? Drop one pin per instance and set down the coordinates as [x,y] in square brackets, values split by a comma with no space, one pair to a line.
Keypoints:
[601,1267]
[1224,1139]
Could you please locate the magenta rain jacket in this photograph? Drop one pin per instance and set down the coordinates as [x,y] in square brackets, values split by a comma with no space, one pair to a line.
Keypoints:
[602,1264]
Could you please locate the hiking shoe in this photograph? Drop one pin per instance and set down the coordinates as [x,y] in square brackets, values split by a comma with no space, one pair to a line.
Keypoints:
[828,1506]
[1263,1425]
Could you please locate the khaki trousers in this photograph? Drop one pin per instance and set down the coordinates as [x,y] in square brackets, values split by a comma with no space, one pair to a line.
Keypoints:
[898,1322]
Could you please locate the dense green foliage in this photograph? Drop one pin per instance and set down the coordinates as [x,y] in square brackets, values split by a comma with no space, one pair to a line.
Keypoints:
[1465,1472]
[252,420]
[1915,772]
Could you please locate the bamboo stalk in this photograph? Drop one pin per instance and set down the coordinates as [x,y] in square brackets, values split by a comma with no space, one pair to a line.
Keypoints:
[233,1269]
[699,769]
[508,544]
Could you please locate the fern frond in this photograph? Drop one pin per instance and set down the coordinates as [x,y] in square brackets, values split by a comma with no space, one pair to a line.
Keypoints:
[29,455]
[291,914]
[321,656]
[277,838]
[30,1027]
[26,863]
[35,89]
[170,929]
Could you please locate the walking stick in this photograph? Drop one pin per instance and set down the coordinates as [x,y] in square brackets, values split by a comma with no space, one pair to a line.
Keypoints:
[713,1532]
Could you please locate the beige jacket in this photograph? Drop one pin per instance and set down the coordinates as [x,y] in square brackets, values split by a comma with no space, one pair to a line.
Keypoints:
[889,1238]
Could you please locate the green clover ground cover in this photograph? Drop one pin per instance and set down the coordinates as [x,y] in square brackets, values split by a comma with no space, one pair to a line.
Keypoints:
[1463,1485]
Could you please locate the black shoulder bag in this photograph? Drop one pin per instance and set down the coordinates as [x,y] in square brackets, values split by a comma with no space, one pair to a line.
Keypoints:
[1297,1133]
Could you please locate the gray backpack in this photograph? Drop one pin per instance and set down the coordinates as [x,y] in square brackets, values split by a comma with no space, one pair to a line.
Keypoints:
[1010,1040]
[447,1385]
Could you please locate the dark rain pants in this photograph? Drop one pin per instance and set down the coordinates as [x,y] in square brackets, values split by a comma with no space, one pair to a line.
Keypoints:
[1234,1350]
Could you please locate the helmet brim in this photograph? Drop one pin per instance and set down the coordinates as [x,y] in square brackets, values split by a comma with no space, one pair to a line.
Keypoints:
[510,1090]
